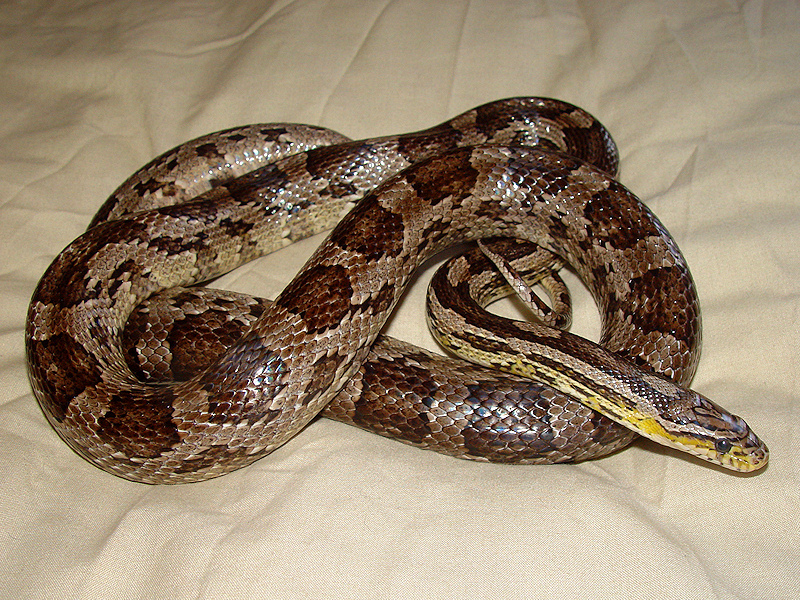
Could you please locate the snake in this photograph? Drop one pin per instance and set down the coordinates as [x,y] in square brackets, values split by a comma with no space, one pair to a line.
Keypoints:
[532,169]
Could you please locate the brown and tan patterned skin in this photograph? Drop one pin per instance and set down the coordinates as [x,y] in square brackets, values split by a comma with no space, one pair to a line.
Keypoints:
[307,346]
[401,391]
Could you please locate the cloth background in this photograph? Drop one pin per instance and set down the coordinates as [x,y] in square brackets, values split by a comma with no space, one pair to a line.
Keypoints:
[702,98]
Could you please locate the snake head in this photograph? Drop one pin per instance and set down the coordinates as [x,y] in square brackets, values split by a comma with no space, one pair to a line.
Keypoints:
[699,426]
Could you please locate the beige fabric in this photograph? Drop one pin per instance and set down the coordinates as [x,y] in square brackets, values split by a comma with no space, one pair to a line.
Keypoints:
[703,98]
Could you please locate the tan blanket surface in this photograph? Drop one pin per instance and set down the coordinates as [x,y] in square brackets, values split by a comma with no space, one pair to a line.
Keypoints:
[703,98]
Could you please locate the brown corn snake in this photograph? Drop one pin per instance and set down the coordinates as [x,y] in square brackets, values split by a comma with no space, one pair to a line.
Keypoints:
[470,178]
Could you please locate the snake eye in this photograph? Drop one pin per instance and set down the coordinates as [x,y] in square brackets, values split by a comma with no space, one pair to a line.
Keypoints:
[722,446]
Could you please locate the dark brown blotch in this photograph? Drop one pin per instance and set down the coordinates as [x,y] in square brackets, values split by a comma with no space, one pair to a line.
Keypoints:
[236,228]
[370,230]
[612,216]
[272,134]
[139,425]
[146,187]
[658,307]
[447,175]
[419,146]
[209,151]
[330,289]
[395,400]
[64,369]
[266,182]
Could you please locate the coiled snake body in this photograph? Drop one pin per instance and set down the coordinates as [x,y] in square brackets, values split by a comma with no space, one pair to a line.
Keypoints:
[464,180]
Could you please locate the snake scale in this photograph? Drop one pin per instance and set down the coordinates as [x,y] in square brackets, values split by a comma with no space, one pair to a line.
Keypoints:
[505,169]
